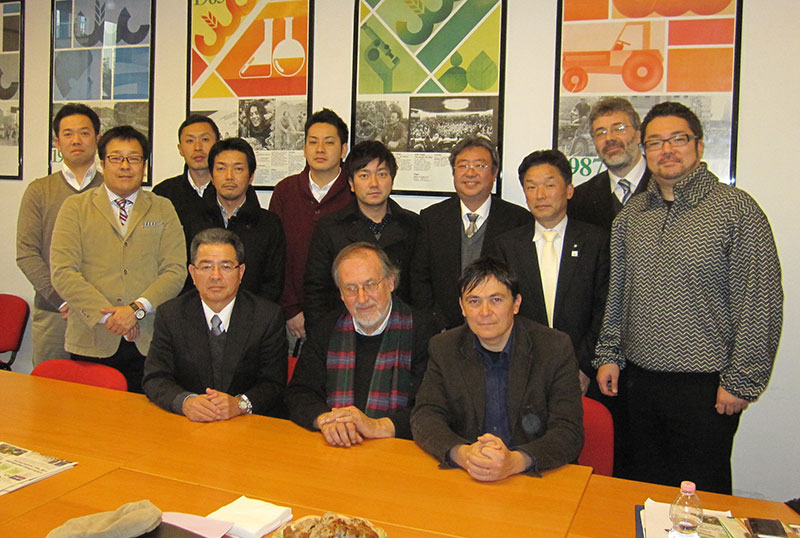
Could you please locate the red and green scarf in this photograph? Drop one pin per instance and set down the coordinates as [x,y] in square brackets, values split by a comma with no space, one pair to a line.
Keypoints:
[391,376]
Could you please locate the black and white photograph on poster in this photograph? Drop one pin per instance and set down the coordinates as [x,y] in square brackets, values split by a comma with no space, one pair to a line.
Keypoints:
[386,121]
[102,57]
[256,117]
[289,126]
[575,137]
[436,124]
[10,89]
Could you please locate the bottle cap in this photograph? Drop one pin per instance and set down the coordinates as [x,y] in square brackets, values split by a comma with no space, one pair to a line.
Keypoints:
[688,487]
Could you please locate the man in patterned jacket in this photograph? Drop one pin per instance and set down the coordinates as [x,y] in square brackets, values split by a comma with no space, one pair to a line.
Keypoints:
[694,309]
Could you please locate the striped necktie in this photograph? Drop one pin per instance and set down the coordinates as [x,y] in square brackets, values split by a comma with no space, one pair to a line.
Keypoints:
[123,213]
[625,185]
[472,228]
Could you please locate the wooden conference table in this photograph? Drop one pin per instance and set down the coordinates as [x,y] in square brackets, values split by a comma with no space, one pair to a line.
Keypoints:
[128,449]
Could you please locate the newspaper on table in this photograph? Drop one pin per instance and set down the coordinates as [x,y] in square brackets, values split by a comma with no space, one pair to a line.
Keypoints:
[20,467]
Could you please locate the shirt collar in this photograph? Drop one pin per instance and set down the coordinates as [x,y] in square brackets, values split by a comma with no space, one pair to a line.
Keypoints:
[114,197]
[360,330]
[482,211]
[193,185]
[484,353]
[73,181]
[224,314]
[560,228]
[634,176]
[319,192]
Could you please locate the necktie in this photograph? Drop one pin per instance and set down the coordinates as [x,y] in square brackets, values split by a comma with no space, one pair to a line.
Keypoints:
[216,325]
[549,272]
[472,228]
[625,185]
[123,213]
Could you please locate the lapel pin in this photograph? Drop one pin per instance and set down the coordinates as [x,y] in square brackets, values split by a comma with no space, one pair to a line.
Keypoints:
[574,252]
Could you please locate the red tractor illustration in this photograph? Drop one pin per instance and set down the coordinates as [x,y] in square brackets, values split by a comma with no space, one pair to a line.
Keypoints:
[641,69]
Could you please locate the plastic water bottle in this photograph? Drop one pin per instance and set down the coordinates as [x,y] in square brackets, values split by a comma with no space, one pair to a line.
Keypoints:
[686,512]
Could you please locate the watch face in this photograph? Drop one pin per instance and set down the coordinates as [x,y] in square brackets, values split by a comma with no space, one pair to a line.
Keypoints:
[140,314]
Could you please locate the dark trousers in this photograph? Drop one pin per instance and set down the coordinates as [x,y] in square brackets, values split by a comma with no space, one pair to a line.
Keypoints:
[127,360]
[676,433]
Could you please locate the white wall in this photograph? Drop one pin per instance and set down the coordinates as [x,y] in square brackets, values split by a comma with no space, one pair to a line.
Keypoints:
[765,459]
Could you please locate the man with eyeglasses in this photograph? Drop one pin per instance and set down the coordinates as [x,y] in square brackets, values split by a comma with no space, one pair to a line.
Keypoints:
[360,367]
[76,128]
[615,132]
[118,252]
[456,231]
[372,216]
[219,351]
[694,309]
[231,202]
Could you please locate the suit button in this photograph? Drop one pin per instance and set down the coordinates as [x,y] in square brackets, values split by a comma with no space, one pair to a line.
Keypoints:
[316,211]
[119,300]
[125,244]
[124,271]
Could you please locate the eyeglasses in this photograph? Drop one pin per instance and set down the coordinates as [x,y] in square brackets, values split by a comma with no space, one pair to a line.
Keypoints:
[224,268]
[676,141]
[616,129]
[133,160]
[370,286]
[477,166]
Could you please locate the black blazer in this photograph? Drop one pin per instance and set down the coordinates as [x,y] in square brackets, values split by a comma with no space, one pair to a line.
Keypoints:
[582,283]
[342,228]
[593,201]
[179,359]
[437,258]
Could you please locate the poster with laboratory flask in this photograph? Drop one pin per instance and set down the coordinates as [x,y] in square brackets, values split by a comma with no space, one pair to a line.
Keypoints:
[249,73]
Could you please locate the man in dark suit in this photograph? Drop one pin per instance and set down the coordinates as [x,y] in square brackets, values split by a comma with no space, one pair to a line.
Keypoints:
[230,202]
[616,135]
[568,290]
[218,351]
[196,135]
[458,230]
[500,395]
[371,217]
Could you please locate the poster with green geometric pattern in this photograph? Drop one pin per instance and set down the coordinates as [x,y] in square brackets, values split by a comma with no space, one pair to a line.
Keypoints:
[428,73]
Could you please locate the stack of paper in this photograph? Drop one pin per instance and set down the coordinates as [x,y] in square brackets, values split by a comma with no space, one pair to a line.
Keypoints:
[252,518]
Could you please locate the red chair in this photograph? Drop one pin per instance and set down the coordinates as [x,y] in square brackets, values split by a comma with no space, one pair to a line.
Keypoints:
[598,442]
[13,319]
[86,373]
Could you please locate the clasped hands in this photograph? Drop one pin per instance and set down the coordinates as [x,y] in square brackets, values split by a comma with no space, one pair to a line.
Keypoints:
[348,426]
[212,406]
[122,321]
[488,459]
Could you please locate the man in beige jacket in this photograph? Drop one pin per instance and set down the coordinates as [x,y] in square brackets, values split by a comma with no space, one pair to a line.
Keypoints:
[117,253]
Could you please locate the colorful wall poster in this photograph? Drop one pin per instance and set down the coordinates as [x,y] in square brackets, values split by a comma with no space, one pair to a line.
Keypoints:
[428,73]
[649,52]
[10,90]
[102,57]
[249,72]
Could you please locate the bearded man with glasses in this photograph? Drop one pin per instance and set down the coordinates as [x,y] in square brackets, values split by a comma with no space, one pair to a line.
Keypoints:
[694,309]
[219,351]
[117,253]
[359,370]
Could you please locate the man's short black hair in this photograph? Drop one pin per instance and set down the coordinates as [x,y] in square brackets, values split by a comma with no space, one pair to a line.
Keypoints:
[233,144]
[217,236]
[484,267]
[123,132]
[553,157]
[365,152]
[673,108]
[326,115]
[198,118]
[72,109]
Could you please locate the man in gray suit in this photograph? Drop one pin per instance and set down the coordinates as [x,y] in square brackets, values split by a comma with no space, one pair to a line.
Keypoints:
[501,394]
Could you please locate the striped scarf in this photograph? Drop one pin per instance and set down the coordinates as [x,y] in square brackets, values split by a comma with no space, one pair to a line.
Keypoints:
[391,376]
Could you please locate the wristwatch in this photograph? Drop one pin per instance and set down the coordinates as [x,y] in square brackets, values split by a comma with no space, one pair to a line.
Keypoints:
[138,311]
[244,404]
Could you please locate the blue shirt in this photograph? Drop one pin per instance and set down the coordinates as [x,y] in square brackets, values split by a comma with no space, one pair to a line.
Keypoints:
[495,416]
